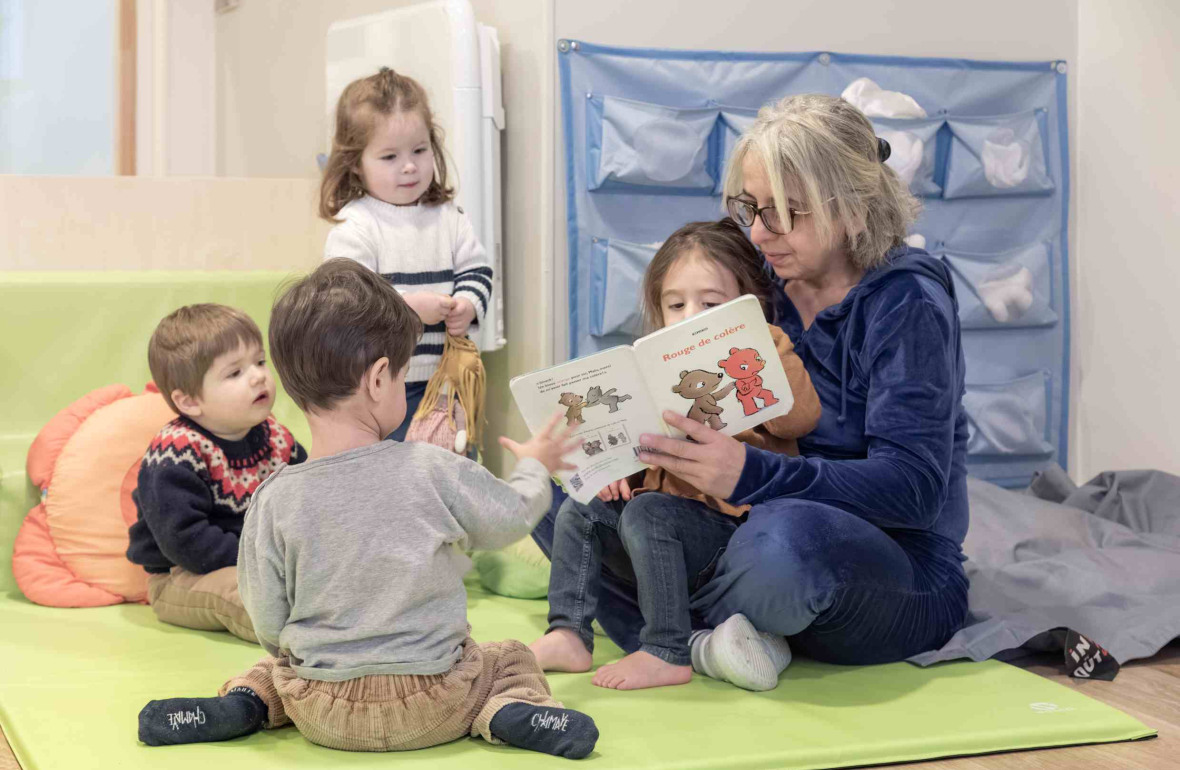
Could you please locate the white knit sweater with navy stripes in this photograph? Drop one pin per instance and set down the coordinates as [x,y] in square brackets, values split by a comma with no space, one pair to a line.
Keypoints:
[416,248]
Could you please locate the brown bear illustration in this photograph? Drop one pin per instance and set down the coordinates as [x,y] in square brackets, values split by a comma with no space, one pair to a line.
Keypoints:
[574,402]
[697,386]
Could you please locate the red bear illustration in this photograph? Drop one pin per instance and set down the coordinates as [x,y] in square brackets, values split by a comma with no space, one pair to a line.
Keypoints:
[743,366]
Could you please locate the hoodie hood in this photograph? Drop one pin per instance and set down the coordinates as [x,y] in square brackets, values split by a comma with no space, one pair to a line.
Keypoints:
[902,261]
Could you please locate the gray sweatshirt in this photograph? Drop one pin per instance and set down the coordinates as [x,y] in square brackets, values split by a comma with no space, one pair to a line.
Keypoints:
[353,564]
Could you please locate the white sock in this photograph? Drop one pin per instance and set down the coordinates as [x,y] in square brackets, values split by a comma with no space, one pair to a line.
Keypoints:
[734,652]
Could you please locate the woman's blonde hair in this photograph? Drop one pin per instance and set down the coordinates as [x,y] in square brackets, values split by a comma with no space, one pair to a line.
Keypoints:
[360,106]
[827,151]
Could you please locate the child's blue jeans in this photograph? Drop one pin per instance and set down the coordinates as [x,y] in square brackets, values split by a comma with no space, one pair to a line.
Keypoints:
[661,547]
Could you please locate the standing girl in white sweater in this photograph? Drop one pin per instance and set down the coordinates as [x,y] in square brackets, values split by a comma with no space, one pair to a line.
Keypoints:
[385,187]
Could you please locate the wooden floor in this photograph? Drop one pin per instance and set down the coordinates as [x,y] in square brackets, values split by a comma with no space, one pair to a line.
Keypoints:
[1148,690]
[7,761]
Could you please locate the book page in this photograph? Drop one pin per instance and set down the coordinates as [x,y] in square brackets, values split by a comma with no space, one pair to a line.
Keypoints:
[604,397]
[719,367]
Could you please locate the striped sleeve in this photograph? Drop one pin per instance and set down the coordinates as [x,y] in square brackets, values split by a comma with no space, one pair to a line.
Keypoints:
[473,273]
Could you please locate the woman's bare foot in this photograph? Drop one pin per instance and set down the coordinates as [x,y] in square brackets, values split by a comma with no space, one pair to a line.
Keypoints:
[562,650]
[639,670]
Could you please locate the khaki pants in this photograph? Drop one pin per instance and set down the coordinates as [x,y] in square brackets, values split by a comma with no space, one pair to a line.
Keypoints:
[401,712]
[208,602]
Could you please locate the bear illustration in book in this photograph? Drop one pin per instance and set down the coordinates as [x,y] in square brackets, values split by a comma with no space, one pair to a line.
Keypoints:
[699,387]
[595,396]
[574,405]
[743,366]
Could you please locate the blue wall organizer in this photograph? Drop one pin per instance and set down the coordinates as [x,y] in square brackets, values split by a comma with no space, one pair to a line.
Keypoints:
[646,136]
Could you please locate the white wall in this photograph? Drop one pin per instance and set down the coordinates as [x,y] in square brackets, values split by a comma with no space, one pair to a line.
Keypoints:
[175,89]
[1002,29]
[1126,174]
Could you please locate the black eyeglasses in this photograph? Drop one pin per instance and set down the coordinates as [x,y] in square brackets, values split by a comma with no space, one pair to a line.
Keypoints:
[744,212]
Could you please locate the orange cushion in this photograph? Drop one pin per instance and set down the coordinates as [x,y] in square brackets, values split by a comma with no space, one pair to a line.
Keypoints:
[43,578]
[78,541]
[49,442]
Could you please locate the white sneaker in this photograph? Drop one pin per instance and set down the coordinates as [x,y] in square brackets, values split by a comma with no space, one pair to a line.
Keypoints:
[735,652]
[778,649]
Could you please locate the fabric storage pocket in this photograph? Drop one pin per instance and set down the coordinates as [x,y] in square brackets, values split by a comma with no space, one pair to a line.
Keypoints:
[913,145]
[734,122]
[650,148]
[1002,155]
[1008,418]
[738,119]
[616,280]
[1010,289]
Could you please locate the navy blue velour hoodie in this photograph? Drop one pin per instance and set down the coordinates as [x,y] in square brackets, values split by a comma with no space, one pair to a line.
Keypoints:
[888,366]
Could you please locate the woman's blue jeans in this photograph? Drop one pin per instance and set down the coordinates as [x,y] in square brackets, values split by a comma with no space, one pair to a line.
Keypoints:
[842,589]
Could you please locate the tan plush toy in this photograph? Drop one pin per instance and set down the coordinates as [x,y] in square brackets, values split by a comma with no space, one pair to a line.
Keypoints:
[451,412]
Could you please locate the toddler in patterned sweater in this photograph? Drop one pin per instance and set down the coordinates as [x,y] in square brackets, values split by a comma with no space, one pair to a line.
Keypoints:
[201,469]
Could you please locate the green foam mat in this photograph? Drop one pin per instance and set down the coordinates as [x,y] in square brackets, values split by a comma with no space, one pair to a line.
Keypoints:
[72,682]
[69,332]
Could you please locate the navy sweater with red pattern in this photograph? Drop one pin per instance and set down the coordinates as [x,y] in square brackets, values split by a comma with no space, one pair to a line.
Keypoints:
[194,489]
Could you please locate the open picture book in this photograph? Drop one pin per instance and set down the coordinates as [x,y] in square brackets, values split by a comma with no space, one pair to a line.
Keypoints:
[719,367]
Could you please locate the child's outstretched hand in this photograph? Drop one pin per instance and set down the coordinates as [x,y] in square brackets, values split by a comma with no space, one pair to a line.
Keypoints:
[430,306]
[616,490]
[460,317]
[547,445]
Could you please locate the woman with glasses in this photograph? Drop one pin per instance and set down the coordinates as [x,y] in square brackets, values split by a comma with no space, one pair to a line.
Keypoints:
[851,550]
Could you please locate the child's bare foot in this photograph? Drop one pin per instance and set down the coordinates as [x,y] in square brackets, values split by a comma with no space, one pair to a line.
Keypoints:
[562,650]
[639,670]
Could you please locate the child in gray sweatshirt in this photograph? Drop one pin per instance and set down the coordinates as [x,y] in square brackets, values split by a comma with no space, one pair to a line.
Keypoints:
[351,564]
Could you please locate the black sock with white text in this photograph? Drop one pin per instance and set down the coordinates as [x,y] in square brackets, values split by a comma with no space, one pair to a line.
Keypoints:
[560,732]
[201,720]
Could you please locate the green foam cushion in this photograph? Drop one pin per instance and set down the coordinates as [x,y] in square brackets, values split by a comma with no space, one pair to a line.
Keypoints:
[73,332]
[520,571]
[73,681]
[68,333]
